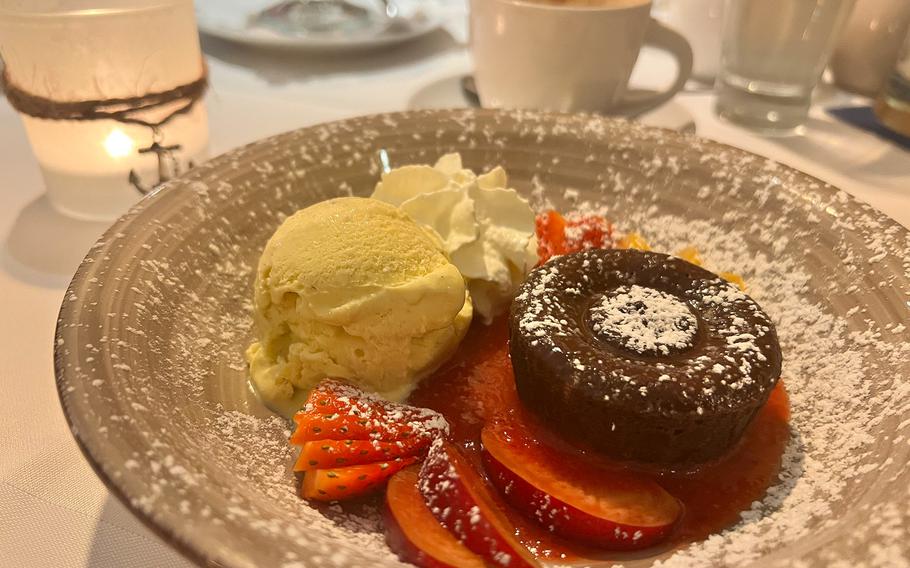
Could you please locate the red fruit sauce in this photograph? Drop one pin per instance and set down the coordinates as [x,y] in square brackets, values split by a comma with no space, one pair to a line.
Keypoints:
[478,384]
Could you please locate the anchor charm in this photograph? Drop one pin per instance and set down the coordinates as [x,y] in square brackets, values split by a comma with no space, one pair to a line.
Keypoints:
[168,166]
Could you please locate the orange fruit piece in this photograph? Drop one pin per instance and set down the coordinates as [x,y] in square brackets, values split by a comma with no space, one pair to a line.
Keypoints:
[551,235]
[633,241]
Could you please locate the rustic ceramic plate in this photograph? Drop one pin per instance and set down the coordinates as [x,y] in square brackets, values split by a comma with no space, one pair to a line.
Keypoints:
[151,333]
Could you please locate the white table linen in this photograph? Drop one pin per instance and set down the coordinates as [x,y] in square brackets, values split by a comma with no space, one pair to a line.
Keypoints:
[53,509]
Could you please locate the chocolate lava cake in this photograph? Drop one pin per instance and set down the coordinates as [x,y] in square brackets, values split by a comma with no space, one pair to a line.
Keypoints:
[641,356]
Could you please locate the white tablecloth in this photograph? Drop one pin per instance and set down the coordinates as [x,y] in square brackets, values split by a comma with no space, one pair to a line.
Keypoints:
[53,510]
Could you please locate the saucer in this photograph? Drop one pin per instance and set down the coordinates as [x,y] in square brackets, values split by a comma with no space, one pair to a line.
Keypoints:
[449,92]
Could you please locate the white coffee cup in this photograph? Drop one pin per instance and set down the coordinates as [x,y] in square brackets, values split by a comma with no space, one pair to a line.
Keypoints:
[573,56]
[701,22]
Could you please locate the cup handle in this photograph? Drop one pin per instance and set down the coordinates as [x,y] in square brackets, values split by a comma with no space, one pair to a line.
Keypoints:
[666,39]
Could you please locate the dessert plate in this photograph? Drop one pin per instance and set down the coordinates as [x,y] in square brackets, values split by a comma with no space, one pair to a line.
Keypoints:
[150,341]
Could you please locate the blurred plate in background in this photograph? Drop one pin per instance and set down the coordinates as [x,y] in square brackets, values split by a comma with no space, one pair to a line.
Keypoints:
[235,21]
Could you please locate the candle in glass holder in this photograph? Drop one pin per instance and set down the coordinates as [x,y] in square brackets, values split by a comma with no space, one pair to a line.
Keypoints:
[115,56]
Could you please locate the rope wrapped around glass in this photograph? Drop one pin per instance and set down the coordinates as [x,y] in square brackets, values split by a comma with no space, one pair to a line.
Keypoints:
[110,94]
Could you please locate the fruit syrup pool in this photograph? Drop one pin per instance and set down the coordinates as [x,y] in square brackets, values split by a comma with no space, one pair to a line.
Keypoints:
[477,384]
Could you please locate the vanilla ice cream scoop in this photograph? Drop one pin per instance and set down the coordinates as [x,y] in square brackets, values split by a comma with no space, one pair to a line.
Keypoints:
[353,288]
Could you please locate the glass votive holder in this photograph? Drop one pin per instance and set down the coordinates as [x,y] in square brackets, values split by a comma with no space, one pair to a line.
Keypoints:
[109,92]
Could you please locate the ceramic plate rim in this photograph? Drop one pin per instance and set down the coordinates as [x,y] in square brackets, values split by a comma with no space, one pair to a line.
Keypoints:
[170,534]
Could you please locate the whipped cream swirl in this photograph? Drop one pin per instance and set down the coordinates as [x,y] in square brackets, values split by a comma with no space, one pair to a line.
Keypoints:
[486,228]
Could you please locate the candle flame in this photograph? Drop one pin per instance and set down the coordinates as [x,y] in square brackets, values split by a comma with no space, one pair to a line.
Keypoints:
[118,144]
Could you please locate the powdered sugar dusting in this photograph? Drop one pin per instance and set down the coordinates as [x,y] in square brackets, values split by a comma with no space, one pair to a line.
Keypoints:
[736,364]
[199,458]
[445,491]
[644,320]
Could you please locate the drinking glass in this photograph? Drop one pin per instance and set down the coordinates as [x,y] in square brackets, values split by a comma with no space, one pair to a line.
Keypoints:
[893,104]
[773,53]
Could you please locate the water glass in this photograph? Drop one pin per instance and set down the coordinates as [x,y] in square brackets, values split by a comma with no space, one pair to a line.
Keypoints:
[893,104]
[773,54]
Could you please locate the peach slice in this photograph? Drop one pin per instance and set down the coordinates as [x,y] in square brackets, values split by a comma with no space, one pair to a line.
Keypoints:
[414,534]
[460,500]
[571,497]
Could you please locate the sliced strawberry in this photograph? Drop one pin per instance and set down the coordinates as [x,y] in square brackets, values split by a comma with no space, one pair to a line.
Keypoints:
[320,454]
[570,496]
[336,396]
[585,232]
[338,411]
[558,235]
[414,534]
[460,500]
[341,483]
[312,427]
